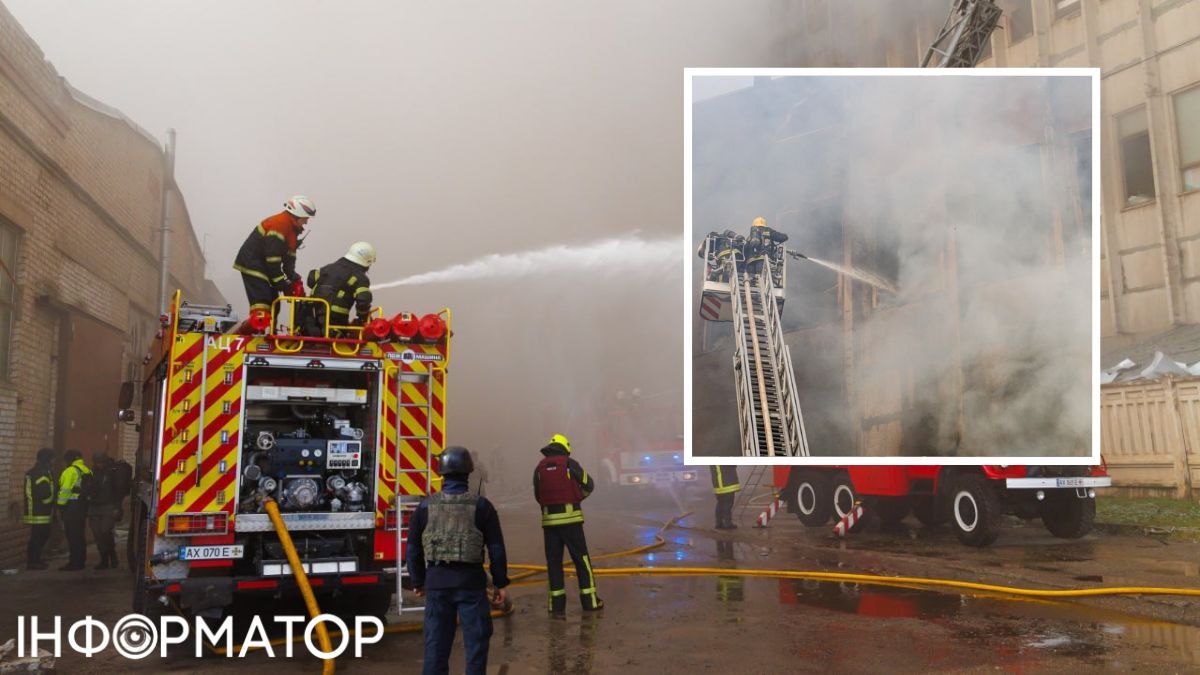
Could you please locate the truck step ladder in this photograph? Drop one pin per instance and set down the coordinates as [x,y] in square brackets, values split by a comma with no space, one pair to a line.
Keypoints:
[406,506]
[769,417]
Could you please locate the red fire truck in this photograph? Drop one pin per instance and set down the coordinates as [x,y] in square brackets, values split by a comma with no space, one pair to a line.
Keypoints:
[640,442]
[339,430]
[971,499]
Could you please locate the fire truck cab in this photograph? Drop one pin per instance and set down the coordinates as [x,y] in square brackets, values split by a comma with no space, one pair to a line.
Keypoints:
[641,443]
[339,430]
[971,499]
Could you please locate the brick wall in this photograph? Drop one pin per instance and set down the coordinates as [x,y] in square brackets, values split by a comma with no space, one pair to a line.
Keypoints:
[81,184]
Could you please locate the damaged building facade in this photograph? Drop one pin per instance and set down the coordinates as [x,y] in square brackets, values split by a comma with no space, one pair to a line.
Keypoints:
[81,189]
[980,219]
[1149,55]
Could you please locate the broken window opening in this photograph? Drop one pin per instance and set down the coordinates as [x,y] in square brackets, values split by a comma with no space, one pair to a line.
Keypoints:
[1187,128]
[1136,158]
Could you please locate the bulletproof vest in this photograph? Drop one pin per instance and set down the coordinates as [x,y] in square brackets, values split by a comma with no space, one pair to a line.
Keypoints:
[451,534]
[555,485]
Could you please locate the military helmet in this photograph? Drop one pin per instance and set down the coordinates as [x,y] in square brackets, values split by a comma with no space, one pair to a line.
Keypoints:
[455,459]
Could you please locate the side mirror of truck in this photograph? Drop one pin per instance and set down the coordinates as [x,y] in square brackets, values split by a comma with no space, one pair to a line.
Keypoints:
[125,399]
[127,416]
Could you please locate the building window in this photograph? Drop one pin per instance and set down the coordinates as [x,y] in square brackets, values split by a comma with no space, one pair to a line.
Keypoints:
[1187,125]
[1065,8]
[1136,163]
[9,238]
[1020,19]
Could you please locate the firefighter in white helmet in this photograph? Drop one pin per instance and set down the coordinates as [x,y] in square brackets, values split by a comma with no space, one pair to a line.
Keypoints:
[342,283]
[267,259]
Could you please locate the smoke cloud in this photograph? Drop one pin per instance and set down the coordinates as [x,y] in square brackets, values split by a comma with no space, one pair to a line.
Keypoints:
[947,188]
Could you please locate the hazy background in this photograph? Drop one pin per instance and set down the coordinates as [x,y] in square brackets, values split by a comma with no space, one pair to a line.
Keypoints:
[440,132]
[913,166]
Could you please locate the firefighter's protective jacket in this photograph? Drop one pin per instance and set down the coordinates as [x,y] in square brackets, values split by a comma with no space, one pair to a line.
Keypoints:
[762,241]
[70,483]
[39,494]
[724,479]
[342,283]
[269,252]
[559,485]
[457,574]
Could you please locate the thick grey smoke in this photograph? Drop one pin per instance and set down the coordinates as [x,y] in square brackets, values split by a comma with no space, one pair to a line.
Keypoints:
[939,183]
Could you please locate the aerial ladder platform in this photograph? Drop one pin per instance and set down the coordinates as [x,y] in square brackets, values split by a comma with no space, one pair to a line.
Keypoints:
[769,417]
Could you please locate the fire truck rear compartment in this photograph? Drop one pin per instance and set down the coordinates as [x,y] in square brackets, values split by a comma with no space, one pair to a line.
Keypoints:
[309,443]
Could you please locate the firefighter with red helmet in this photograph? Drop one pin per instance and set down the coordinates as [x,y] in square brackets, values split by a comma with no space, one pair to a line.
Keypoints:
[560,484]
[267,259]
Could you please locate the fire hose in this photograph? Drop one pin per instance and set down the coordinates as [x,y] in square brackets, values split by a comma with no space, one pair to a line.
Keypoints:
[310,601]
[660,540]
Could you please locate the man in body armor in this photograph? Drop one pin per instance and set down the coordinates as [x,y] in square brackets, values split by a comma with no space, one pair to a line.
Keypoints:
[559,485]
[446,540]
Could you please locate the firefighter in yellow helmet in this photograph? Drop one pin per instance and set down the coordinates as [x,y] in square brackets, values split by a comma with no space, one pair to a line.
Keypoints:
[725,487]
[560,484]
[760,245]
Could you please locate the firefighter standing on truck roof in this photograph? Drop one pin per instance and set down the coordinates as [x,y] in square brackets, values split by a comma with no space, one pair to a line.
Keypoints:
[39,507]
[446,538]
[267,259]
[342,283]
[559,485]
[73,487]
[725,487]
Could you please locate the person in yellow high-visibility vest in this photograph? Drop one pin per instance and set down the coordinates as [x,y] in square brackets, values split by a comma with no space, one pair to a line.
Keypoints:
[725,486]
[74,492]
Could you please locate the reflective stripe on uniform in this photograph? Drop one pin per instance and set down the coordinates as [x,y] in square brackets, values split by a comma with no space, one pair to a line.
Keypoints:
[31,519]
[334,309]
[249,272]
[569,515]
[274,258]
[361,289]
[721,488]
[273,233]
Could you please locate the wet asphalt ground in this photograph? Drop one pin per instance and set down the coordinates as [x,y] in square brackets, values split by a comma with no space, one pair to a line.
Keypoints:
[730,623]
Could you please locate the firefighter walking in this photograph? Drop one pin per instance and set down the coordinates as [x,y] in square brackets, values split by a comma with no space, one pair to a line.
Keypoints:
[343,284]
[725,486]
[74,487]
[267,259]
[39,507]
[560,484]
[446,540]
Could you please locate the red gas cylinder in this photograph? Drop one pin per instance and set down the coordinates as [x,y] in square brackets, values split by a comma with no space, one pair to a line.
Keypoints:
[379,329]
[405,325]
[432,327]
[258,322]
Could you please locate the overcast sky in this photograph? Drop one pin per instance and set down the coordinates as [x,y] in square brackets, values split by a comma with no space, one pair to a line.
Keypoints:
[437,130]
[441,132]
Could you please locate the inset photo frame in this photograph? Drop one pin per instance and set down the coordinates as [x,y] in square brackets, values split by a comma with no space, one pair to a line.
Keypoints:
[892,266]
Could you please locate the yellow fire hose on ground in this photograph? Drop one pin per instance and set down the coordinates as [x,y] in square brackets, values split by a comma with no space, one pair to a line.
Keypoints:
[660,540]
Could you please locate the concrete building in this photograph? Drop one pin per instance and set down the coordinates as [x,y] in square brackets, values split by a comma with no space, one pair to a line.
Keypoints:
[81,190]
[1149,55]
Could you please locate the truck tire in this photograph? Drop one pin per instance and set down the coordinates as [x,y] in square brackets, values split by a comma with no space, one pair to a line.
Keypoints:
[843,497]
[1068,516]
[975,510]
[814,498]
[928,511]
[892,510]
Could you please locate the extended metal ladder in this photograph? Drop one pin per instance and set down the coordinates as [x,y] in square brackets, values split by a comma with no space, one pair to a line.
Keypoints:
[406,505]
[962,38]
[769,417]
